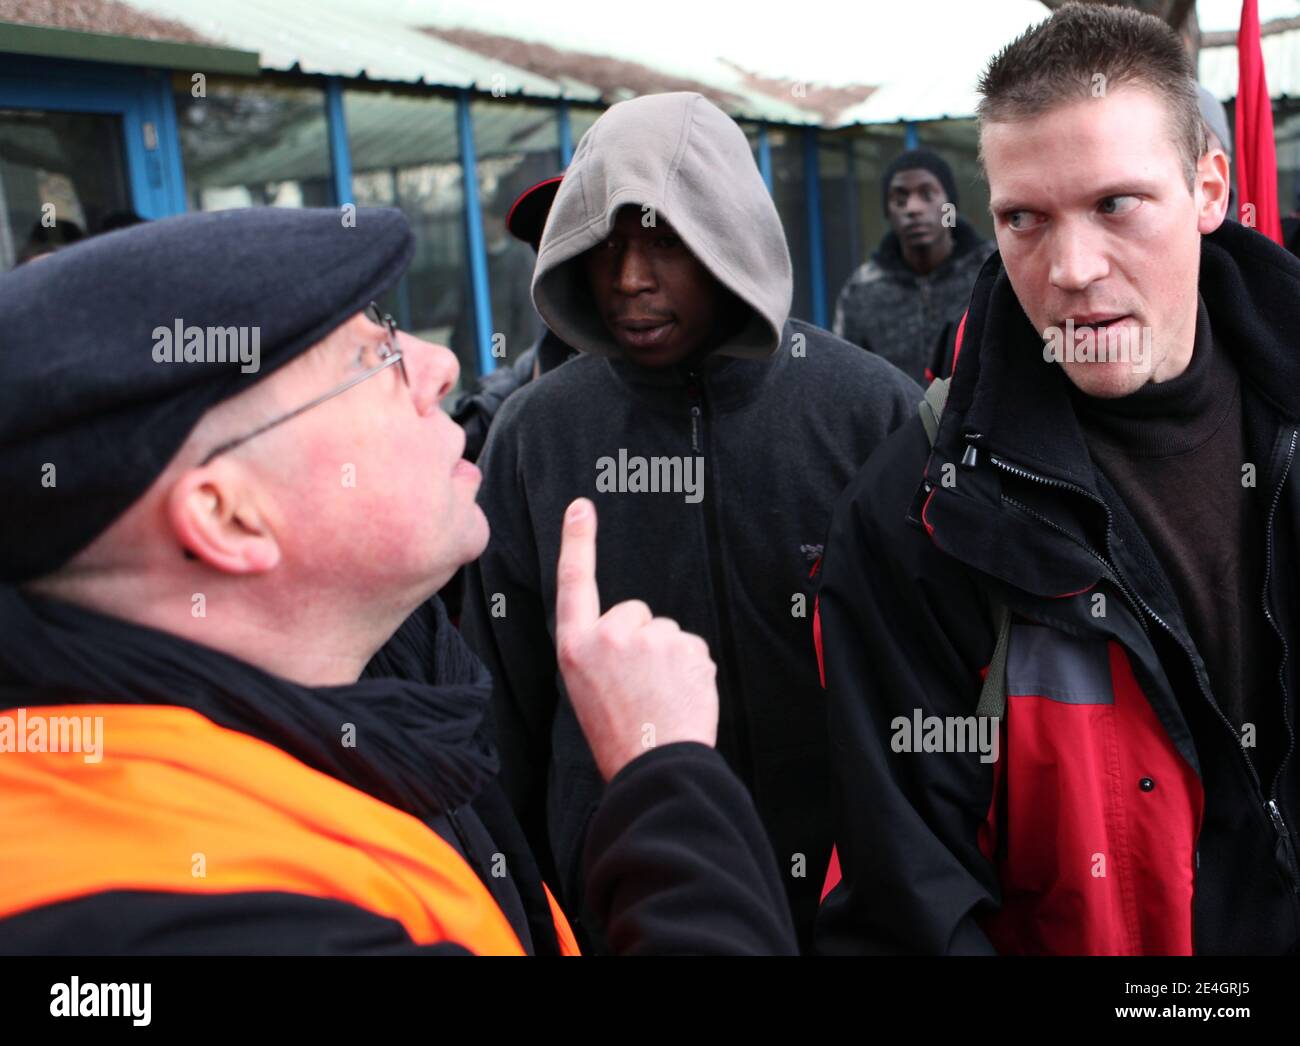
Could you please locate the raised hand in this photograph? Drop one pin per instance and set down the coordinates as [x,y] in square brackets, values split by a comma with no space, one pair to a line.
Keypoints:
[635,680]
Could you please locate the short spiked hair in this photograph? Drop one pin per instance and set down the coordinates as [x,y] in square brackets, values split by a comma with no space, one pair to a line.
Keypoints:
[1081,46]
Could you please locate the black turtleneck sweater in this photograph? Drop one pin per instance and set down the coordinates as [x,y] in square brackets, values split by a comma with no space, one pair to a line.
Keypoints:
[1175,452]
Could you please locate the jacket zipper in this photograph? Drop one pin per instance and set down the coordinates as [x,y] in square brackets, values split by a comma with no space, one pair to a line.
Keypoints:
[1104,560]
[1274,811]
[1270,804]
[697,392]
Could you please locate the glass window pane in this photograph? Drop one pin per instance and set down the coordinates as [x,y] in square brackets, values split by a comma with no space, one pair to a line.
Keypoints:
[1286,127]
[406,154]
[251,144]
[517,145]
[852,163]
[62,175]
[580,121]
[786,145]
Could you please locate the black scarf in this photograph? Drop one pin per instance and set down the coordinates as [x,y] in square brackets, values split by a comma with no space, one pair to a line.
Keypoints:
[417,710]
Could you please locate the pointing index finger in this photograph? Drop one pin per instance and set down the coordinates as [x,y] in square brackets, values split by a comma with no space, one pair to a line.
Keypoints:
[577,600]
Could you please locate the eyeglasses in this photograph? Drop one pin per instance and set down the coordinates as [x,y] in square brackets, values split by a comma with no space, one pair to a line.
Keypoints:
[388,354]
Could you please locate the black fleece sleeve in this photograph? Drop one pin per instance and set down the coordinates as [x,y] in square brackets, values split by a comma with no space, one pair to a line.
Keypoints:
[677,862]
[902,630]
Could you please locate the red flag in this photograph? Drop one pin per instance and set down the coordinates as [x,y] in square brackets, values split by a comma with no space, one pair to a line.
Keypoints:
[1256,154]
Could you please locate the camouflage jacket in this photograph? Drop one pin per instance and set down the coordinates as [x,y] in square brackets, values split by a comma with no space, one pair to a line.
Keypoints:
[893,311]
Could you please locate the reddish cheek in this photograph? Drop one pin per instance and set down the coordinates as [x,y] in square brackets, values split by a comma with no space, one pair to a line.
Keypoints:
[327,460]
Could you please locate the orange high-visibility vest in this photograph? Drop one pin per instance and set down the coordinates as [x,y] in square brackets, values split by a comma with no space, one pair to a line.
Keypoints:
[178,804]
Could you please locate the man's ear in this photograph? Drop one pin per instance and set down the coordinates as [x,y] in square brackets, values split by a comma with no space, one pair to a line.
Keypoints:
[1211,190]
[213,511]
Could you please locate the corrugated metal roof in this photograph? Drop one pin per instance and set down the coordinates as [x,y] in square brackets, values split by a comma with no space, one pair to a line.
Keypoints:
[314,38]
[946,93]
[390,47]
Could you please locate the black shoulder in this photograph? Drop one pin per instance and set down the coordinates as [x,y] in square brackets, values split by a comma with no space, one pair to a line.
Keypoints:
[128,922]
[886,490]
[560,389]
[841,361]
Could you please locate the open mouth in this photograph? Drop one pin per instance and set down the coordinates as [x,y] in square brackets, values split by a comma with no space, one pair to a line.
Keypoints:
[645,334]
[1098,324]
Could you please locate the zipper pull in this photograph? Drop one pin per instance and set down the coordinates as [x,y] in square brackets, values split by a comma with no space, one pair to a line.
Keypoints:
[693,394]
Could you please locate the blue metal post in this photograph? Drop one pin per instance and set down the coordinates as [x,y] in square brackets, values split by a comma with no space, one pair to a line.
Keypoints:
[813,194]
[340,150]
[911,139]
[566,133]
[764,156]
[478,267]
[169,141]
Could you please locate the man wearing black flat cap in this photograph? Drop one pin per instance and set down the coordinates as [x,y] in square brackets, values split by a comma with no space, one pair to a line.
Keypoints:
[906,299]
[232,719]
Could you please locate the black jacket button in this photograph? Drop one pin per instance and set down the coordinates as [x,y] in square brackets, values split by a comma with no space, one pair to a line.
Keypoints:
[1146,784]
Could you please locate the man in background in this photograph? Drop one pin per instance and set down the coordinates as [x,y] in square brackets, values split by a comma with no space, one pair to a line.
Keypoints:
[899,303]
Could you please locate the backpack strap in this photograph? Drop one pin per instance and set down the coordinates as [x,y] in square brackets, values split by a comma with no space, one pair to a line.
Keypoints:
[930,408]
[993,694]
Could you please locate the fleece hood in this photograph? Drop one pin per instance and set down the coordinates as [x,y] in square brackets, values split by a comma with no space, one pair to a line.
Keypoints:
[682,156]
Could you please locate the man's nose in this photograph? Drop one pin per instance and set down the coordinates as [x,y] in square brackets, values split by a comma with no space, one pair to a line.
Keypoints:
[1077,260]
[433,371]
[634,272]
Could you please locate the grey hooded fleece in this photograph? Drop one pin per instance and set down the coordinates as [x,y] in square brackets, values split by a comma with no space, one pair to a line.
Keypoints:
[713,480]
[685,159]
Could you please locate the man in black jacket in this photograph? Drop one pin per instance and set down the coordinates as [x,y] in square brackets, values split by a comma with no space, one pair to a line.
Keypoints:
[221,728]
[713,433]
[1107,522]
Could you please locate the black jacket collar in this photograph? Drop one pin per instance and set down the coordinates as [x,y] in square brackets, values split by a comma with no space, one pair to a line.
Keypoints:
[1006,399]
[727,381]
[417,710]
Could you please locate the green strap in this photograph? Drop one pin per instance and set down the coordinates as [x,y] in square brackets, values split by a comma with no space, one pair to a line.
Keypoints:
[993,694]
[930,408]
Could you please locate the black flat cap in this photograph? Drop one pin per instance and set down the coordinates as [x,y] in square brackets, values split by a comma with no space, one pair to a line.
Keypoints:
[115,347]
